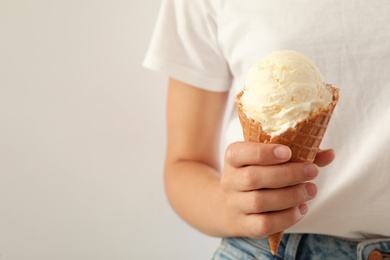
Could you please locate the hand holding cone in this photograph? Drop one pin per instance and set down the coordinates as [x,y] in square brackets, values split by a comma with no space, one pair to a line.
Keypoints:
[304,140]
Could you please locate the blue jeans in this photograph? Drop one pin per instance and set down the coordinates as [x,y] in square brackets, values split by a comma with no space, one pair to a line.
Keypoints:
[304,246]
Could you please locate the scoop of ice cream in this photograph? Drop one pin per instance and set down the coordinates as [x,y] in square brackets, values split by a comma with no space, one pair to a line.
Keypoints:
[283,89]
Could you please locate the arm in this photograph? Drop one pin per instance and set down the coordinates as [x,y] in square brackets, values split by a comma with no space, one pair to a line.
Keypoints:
[255,193]
[192,170]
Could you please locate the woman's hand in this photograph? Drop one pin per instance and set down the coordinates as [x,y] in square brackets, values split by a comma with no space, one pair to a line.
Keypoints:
[264,194]
[257,194]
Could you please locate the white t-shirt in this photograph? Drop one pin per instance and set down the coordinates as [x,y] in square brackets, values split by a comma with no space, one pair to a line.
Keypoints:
[211,44]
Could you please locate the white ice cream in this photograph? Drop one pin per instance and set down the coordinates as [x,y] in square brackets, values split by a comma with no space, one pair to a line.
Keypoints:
[283,89]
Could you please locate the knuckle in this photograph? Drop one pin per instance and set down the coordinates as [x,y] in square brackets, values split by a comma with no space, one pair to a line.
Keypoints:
[230,152]
[265,225]
[248,178]
[230,205]
[257,202]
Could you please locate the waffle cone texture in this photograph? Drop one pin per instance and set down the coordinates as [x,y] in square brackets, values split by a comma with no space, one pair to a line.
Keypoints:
[304,140]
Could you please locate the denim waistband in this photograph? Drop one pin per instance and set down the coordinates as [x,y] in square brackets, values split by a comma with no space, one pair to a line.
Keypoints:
[305,246]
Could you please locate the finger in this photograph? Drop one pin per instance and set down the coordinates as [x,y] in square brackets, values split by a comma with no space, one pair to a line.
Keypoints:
[260,201]
[324,157]
[270,177]
[262,225]
[251,153]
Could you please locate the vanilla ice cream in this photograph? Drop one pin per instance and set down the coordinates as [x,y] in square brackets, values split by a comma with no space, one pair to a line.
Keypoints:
[283,89]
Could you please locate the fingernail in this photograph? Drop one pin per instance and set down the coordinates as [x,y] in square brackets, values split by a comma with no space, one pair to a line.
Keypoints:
[303,208]
[311,170]
[282,152]
[311,189]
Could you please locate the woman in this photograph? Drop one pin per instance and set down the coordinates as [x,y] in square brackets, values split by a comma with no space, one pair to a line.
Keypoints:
[206,47]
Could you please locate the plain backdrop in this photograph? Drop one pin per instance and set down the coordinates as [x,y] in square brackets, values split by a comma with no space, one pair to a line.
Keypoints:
[82,136]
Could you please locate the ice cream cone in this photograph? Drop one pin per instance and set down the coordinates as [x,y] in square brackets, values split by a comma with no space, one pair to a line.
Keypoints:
[274,241]
[304,140]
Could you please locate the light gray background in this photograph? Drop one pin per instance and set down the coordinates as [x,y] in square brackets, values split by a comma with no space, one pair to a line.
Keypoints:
[82,136]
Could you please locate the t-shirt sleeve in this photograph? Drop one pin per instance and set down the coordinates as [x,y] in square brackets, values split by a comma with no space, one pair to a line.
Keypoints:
[185,45]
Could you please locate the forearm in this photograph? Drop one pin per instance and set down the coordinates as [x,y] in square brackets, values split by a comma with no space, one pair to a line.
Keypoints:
[192,177]
[194,192]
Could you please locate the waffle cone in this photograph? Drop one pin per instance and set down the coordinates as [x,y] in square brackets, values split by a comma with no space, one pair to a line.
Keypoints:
[304,140]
